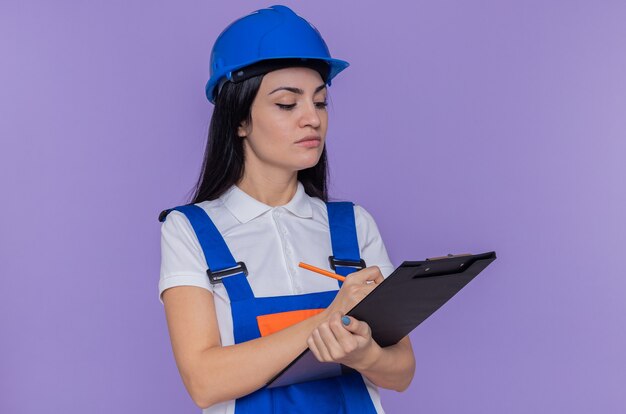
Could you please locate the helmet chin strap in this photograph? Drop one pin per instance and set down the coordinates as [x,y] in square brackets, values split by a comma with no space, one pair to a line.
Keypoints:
[220,85]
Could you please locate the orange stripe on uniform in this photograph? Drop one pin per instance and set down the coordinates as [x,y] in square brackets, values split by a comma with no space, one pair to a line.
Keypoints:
[274,322]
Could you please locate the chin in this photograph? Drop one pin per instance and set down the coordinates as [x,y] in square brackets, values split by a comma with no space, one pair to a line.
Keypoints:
[305,165]
[313,163]
[304,160]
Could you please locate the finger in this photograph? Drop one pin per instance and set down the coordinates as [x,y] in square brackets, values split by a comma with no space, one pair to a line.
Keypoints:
[358,327]
[321,346]
[344,337]
[371,273]
[332,344]
[314,349]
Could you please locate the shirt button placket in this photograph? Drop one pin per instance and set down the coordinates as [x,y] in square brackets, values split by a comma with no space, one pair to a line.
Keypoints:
[287,251]
[291,268]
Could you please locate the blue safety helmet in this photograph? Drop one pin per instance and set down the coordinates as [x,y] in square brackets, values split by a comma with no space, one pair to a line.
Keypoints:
[265,40]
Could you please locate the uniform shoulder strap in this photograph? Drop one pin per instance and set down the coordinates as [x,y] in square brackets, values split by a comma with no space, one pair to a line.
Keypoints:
[346,256]
[222,266]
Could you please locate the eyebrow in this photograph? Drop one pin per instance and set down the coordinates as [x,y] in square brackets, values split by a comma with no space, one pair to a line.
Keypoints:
[296,90]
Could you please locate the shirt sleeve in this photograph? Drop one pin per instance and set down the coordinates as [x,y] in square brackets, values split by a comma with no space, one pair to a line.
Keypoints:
[182,259]
[373,249]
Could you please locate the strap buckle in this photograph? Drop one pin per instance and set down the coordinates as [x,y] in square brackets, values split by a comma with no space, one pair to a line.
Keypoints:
[164,214]
[216,277]
[347,263]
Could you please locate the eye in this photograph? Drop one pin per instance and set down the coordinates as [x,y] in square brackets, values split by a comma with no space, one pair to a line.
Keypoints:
[319,105]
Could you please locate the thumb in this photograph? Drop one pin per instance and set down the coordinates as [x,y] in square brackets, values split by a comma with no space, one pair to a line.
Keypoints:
[356,326]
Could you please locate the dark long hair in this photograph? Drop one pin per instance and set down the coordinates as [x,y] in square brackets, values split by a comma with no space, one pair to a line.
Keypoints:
[223,163]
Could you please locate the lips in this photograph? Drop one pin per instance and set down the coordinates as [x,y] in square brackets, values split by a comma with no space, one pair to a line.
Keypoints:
[310,138]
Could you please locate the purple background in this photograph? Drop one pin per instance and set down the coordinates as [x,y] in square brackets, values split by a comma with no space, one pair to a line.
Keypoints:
[461,126]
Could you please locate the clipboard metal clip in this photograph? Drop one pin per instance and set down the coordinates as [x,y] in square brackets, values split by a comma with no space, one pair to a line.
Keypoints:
[347,263]
[449,256]
[216,276]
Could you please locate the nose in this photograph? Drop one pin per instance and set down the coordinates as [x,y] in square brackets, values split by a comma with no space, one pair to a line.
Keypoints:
[310,116]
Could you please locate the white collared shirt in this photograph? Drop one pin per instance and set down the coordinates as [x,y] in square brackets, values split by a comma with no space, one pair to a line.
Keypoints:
[270,241]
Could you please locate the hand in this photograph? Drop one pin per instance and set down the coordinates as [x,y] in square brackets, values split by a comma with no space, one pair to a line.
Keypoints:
[351,344]
[356,287]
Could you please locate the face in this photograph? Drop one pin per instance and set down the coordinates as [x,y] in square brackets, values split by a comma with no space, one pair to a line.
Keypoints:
[289,107]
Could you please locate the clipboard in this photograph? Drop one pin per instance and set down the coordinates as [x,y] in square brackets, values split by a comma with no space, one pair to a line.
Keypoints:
[406,298]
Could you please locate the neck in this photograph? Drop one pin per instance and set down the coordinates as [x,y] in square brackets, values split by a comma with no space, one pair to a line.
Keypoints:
[271,186]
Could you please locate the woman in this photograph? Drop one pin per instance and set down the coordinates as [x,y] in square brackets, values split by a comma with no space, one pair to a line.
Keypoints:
[261,207]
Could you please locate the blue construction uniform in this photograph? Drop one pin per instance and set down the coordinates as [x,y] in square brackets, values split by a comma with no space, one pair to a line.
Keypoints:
[338,395]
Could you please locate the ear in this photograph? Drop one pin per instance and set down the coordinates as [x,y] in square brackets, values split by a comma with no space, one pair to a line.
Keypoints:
[243,129]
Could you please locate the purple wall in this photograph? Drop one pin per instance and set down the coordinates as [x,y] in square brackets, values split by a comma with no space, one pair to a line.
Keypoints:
[461,126]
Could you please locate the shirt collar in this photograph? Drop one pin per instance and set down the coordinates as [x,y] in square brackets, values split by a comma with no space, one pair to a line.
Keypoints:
[245,207]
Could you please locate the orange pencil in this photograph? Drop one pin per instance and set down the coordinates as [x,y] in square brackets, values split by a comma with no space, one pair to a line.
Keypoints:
[322,271]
